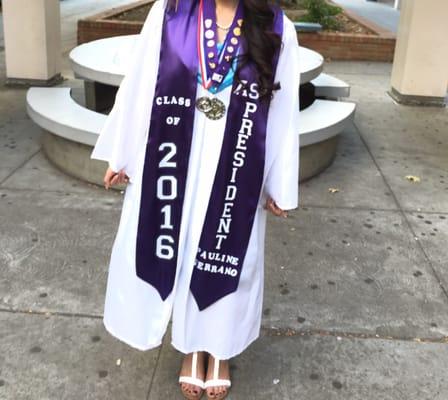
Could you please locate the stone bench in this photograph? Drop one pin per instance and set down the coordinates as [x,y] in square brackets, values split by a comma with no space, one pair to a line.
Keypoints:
[338,114]
[307,27]
[330,87]
[55,111]
[72,131]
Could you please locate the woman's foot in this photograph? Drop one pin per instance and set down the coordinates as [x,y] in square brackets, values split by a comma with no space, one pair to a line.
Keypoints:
[192,375]
[218,378]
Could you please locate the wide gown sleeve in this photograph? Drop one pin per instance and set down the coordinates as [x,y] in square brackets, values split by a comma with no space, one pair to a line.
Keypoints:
[282,181]
[117,144]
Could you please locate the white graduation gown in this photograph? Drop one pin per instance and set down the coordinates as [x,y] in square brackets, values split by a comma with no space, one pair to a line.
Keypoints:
[134,311]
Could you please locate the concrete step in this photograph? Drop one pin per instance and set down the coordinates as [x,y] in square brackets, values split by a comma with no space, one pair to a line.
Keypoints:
[329,86]
[55,110]
[324,119]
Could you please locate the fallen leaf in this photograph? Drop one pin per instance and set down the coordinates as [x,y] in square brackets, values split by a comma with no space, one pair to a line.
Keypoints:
[412,178]
[333,190]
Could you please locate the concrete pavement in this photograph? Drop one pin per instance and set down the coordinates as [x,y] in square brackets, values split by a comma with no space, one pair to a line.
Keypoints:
[381,13]
[356,303]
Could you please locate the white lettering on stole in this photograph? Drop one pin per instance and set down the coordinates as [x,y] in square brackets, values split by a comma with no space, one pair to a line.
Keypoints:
[167,189]
[215,262]
[172,121]
[166,193]
[239,157]
[173,100]
[211,262]
[253,92]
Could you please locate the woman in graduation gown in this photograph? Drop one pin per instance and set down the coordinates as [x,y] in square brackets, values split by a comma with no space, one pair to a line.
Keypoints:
[204,131]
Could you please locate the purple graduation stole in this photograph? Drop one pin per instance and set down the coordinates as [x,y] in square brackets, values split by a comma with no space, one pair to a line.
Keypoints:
[238,180]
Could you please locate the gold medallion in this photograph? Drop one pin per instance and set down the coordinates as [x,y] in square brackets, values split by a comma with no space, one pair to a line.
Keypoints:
[218,109]
[213,108]
[204,104]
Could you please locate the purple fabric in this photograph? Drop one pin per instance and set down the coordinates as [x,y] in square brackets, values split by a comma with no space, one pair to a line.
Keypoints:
[176,81]
[236,192]
[237,185]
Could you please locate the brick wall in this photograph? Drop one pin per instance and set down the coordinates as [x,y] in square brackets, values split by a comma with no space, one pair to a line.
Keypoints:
[89,30]
[341,46]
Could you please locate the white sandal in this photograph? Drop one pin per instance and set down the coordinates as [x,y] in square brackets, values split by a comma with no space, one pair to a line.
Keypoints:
[216,381]
[193,379]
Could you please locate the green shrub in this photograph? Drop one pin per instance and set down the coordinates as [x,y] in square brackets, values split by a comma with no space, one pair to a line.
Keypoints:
[322,12]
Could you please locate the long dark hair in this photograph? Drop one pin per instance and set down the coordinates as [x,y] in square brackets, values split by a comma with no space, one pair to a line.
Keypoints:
[262,43]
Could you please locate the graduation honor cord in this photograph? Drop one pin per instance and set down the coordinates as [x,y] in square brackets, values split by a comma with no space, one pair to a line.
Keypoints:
[214,64]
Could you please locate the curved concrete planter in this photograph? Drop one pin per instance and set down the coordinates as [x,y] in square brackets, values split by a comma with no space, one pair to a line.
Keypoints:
[74,158]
